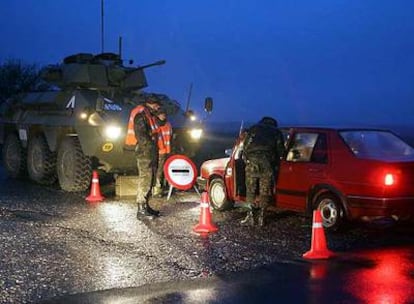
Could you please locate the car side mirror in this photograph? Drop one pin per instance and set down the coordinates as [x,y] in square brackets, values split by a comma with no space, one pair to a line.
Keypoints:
[208,104]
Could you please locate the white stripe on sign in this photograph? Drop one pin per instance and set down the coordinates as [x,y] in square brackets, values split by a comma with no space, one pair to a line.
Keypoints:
[317,225]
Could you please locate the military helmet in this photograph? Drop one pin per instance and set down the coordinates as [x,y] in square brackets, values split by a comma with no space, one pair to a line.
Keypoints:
[267,120]
[153,99]
[161,113]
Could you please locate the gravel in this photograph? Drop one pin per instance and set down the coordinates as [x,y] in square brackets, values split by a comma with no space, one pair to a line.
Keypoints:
[54,243]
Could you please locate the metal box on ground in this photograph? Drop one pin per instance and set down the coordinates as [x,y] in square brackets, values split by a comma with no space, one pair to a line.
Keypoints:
[126,185]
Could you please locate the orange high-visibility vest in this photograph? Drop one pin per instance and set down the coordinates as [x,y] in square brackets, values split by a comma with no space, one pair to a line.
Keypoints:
[131,139]
[164,138]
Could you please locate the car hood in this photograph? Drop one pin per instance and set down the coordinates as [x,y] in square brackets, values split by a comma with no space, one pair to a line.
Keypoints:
[214,165]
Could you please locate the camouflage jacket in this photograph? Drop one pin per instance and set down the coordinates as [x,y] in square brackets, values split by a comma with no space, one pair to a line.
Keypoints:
[264,140]
[146,141]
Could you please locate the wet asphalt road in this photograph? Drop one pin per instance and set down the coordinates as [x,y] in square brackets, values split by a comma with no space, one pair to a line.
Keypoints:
[54,243]
[369,276]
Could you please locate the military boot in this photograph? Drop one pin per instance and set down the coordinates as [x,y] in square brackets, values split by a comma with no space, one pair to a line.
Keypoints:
[151,211]
[143,213]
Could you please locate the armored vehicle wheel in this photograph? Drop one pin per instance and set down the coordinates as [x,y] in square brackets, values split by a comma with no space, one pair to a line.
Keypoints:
[74,168]
[218,195]
[41,162]
[14,157]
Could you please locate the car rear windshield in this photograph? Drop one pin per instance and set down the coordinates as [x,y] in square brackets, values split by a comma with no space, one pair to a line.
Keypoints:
[380,145]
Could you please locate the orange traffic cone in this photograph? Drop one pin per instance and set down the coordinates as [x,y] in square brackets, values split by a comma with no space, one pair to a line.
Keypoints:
[95,195]
[318,249]
[205,225]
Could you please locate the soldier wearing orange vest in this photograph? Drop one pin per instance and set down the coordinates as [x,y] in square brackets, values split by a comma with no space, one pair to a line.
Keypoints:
[142,133]
[164,149]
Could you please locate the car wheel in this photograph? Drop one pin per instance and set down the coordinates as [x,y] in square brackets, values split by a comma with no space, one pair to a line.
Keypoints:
[331,211]
[218,195]
[41,162]
[74,168]
[14,157]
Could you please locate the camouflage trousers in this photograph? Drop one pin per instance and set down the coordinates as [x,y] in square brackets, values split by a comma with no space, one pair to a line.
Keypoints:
[159,178]
[259,181]
[146,175]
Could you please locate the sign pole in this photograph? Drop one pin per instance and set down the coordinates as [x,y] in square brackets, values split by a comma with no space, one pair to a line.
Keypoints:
[169,192]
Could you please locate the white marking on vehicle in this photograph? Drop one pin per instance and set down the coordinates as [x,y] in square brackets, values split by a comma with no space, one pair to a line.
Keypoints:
[112,107]
[71,103]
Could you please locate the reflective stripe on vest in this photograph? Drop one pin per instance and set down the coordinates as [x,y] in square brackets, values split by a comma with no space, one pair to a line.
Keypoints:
[131,139]
[164,138]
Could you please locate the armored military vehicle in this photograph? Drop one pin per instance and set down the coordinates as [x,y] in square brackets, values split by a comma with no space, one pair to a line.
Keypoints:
[79,123]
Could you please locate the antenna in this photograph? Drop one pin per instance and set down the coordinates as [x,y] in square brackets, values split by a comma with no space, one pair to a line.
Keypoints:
[102,26]
[189,97]
[120,47]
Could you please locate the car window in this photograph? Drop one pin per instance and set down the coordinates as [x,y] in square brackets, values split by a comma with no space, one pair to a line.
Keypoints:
[302,147]
[320,151]
[381,145]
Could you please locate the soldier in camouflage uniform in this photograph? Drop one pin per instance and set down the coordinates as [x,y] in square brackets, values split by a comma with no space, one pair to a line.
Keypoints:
[263,147]
[147,155]
[164,149]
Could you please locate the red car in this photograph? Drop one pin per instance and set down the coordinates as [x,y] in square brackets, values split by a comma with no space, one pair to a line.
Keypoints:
[348,174]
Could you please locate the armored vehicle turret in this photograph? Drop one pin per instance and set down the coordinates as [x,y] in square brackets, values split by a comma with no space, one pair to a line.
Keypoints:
[79,123]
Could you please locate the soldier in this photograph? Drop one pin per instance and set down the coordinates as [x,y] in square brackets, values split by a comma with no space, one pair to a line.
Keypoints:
[263,147]
[142,130]
[164,149]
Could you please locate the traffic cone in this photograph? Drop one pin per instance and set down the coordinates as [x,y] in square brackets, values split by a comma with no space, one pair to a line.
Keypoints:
[95,195]
[318,249]
[205,225]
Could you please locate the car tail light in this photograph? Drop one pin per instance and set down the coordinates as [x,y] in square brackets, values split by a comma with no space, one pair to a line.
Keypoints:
[389,179]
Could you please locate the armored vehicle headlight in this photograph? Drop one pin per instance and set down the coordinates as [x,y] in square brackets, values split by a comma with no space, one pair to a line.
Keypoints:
[196,133]
[112,132]
[83,115]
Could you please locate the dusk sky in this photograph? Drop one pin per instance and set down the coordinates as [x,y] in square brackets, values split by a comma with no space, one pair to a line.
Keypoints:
[300,61]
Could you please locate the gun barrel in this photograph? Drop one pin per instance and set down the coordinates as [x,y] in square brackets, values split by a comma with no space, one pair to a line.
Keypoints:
[160,62]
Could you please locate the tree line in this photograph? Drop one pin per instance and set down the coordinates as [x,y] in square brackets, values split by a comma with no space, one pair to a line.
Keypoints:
[17,77]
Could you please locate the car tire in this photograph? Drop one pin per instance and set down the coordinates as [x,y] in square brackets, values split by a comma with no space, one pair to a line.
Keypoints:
[14,157]
[332,211]
[218,195]
[41,162]
[74,169]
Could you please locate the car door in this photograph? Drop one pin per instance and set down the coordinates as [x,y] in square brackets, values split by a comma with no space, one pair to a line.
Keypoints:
[303,166]
[234,173]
